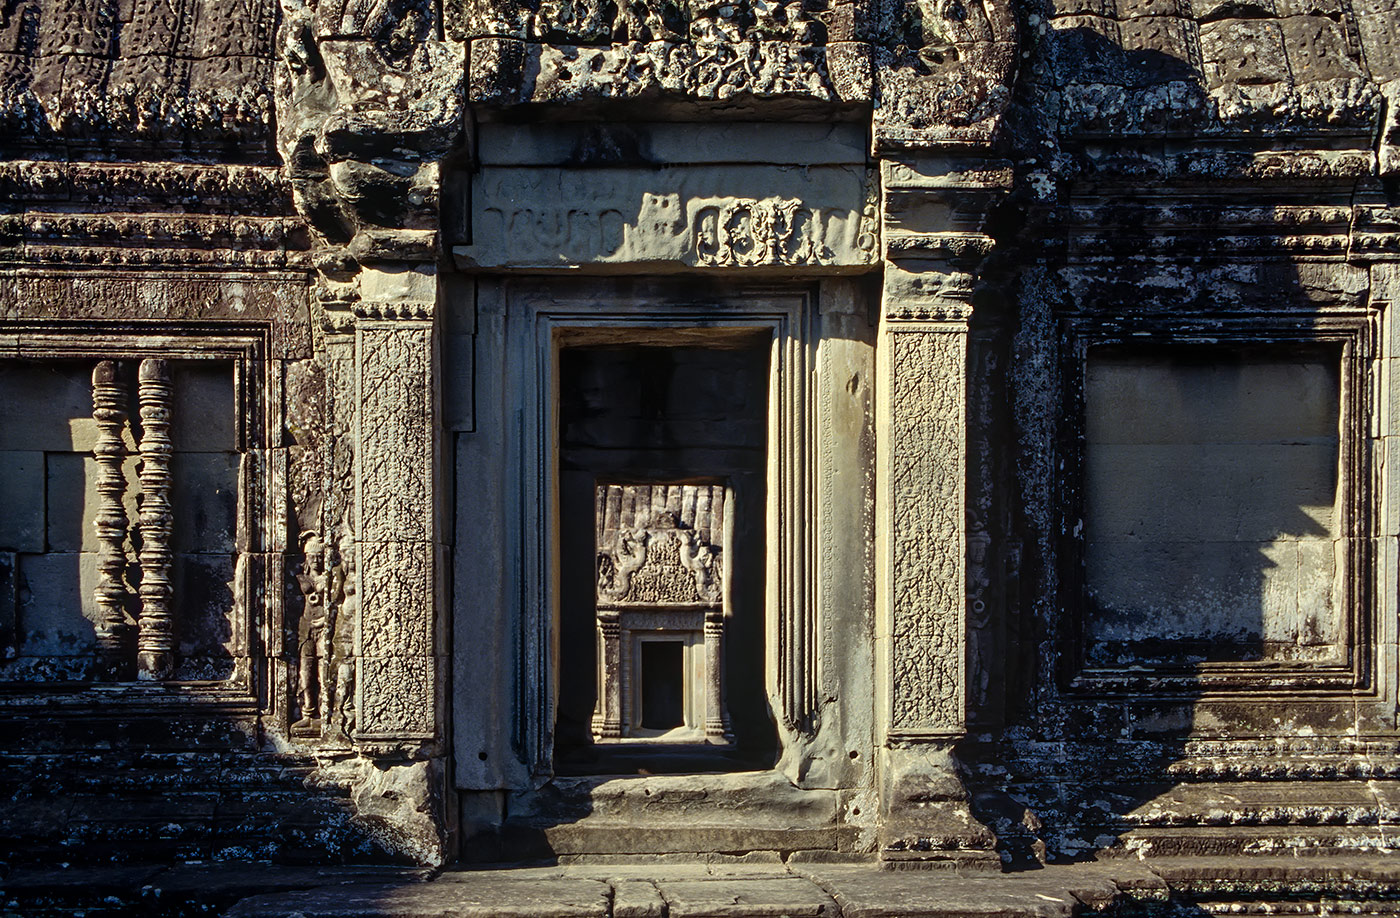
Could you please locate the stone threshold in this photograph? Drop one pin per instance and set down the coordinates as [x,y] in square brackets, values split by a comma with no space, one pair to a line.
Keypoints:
[717,886]
[762,886]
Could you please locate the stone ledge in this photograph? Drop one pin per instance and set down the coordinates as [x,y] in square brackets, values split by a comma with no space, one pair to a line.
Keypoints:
[659,887]
[664,887]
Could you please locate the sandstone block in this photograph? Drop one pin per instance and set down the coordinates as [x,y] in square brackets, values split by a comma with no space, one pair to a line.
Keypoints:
[22,501]
[730,898]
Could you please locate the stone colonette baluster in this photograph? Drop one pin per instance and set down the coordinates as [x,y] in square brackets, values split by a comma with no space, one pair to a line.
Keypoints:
[109,410]
[156,638]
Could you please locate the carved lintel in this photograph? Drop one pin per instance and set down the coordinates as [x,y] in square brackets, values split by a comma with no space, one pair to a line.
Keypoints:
[155,656]
[109,410]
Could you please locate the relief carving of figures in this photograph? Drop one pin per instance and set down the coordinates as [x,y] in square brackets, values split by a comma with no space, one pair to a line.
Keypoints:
[772,231]
[639,21]
[662,554]
[313,639]
[345,615]
[659,566]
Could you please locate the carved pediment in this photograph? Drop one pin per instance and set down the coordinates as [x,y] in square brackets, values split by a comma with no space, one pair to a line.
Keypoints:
[659,544]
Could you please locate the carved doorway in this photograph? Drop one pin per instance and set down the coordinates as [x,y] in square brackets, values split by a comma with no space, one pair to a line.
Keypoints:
[662,477]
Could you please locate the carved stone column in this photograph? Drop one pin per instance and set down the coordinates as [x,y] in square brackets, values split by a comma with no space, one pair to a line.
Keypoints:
[155,657]
[935,209]
[607,722]
[109,410]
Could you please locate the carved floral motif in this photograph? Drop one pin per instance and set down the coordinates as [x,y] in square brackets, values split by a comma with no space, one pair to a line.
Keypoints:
[397,669]
[927,406]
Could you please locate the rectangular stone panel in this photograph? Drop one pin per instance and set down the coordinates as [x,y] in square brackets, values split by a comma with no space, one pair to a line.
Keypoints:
[1233,592]
[70,486]
[396,697]
[204,587]
[8,602]
[205,498]
[204,412]
[56,607]
[706,216]
[928,405]
[1211,504]
[63,389]
[396,685]
[1212,491]
[21,501]
[395,441]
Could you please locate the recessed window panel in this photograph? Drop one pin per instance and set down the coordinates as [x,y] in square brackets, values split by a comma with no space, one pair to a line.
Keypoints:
[1211,505]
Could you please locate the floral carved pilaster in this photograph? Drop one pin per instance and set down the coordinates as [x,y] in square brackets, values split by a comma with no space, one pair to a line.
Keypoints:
[931,284]
[155,657]
[928,464]
[397,679]
[109,410]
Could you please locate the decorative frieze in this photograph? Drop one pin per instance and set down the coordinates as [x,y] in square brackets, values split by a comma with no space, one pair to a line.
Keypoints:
[510,72]
[80,72]
[704,216]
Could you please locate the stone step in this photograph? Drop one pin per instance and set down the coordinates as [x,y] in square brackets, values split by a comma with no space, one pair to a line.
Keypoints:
[654,888]
[719,887]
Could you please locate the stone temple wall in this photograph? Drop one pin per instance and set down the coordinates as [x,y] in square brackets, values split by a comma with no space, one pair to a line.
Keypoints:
[1074,533]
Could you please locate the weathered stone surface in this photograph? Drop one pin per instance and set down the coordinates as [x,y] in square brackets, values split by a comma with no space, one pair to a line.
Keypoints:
[486,896]
[22,494]
[505,72]
[722,898]
[700,216]
[1164,631]
[861,891]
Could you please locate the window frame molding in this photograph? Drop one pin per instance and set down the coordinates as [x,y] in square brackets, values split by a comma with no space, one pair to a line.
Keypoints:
[557,315]
[260,537]
[1353,672]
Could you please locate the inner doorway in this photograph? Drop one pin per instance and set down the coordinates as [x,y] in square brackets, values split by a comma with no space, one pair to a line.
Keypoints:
[667,445]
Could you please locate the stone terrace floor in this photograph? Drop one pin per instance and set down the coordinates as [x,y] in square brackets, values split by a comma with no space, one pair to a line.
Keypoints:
[718,888]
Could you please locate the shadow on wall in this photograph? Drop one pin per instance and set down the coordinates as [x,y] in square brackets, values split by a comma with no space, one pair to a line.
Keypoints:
[97,766]
[1181,442]
[72,490]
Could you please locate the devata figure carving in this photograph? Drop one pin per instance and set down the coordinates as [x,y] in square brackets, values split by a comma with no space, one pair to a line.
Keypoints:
[313,669]
[340,710]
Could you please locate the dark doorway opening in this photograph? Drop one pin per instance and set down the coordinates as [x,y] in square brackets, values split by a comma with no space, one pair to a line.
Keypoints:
[671,414]
[663,685]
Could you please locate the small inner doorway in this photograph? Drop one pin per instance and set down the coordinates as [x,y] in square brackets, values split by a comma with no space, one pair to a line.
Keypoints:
[663,463]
